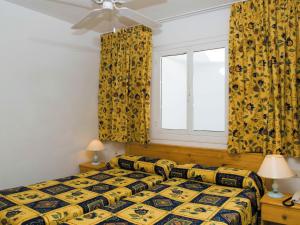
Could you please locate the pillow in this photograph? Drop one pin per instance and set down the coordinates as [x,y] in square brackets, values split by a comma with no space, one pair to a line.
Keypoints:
[224,176]
[181,171]
[160,167]
[195,171]
[240,178]
[124,162]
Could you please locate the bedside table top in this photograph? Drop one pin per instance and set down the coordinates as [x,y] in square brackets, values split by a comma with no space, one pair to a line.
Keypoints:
[89,165]
[266,199]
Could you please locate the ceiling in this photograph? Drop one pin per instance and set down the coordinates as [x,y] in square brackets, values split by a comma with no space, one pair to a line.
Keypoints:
[73,10]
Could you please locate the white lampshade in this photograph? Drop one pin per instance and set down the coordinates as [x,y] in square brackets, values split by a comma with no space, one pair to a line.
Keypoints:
[95,146]
[275,167]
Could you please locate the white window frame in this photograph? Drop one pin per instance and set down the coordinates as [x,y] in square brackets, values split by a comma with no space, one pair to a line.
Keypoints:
[189,137]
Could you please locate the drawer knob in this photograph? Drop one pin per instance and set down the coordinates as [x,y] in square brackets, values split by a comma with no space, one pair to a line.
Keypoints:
[284,217]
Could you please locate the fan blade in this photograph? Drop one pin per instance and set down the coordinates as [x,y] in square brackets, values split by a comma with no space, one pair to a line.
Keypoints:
[90,16]
[123,1]
[139,18]
[70,4]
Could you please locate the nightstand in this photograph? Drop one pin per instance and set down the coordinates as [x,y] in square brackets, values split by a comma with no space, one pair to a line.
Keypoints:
[85,167]
[272,210]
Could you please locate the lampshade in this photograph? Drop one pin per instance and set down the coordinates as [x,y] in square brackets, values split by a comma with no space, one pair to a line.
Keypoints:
[275,167]
[95,146]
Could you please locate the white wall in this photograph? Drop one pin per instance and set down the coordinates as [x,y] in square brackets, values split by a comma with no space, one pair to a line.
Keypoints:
[48,96]
[204,27]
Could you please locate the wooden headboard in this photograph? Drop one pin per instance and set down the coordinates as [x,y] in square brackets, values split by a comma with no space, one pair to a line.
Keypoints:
[210,157]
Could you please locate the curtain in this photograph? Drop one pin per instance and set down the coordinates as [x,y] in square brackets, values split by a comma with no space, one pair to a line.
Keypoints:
[264,98]
[124,86]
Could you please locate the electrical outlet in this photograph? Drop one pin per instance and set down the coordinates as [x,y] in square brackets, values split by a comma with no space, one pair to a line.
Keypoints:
[297,172]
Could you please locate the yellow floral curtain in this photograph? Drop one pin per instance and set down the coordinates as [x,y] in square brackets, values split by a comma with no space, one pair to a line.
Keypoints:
[264,110]
[124,88]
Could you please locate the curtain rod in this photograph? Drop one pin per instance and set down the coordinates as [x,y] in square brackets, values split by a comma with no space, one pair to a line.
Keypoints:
[196,12]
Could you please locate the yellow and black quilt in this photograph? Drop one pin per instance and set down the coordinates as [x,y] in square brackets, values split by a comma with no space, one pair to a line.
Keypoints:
[55,201]
[179,201]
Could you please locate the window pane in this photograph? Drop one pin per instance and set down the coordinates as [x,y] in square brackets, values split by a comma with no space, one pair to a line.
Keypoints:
[174,91]
[209,90]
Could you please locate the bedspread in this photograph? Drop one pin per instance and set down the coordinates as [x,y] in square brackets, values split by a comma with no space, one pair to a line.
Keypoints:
[55,201]
[179,202]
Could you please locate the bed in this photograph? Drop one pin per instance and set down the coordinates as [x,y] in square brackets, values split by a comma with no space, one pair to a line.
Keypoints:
[55,201]
[195,195]
[139,190]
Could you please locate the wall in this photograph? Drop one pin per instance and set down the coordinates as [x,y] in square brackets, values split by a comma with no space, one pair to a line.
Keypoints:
[48,96]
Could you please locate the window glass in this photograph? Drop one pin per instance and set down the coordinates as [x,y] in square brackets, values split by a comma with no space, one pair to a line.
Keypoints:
[209,90]
[174,92]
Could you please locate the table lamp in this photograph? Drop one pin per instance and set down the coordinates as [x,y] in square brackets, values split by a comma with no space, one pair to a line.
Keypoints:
[95,146]
[275,167]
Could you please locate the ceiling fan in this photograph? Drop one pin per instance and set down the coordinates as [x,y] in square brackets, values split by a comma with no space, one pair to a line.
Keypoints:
[114,10]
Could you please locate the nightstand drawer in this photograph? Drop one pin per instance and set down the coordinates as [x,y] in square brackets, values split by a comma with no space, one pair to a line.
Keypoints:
[280,214]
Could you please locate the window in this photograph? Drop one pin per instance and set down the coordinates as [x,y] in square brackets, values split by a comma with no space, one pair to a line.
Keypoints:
[191,102]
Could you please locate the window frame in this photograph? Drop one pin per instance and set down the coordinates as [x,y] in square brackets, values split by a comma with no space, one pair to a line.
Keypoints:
[214,139]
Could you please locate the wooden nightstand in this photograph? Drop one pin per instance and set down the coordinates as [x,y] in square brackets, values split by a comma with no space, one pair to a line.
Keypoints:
[85,167]
[272,210]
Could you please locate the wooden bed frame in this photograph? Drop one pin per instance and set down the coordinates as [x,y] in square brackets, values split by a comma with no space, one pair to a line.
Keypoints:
[210,157]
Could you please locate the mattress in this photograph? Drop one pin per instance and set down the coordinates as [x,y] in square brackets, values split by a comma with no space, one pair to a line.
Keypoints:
[55,201]
[180,201]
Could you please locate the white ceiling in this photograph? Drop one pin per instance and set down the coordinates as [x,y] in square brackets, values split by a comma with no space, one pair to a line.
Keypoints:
[73,10]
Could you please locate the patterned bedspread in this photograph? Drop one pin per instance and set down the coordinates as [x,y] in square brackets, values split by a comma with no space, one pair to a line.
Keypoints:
[58,200]
[179,202]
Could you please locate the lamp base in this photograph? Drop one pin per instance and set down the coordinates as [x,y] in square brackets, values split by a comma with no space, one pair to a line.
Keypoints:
[273,194]
[95,163]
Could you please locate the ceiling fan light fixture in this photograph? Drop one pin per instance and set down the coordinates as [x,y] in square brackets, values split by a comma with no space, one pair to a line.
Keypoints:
[108,5]
[111,9]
